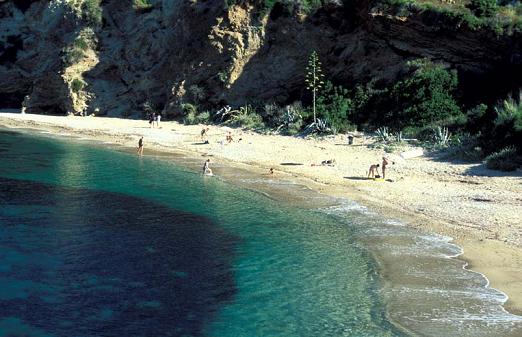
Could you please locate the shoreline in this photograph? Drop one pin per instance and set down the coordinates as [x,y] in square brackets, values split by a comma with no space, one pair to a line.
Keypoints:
[434,196]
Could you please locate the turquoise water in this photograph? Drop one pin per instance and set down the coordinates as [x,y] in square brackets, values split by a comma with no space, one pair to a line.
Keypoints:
[95,241]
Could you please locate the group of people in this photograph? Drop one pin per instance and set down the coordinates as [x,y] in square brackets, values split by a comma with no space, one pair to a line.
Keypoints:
[373,172]
[154,119]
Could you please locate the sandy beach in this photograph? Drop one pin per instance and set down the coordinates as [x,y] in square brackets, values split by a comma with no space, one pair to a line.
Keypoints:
[479,208]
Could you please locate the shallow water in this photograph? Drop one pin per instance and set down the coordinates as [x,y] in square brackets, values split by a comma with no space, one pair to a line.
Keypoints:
[99,242]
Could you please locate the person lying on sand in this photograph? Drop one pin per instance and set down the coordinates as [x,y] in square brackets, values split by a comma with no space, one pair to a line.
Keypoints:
[373,172]
[206,168]
[328,162]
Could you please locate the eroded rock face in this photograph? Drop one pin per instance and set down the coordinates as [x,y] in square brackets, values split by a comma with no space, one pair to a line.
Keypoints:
[203,52]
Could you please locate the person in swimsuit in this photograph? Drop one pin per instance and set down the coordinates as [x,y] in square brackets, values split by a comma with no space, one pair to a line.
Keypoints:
[384,163]
[140,146]
[206,168]
[373,172]
[204,133]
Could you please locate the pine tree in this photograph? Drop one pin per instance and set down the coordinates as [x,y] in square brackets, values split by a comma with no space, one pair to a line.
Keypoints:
[314,78]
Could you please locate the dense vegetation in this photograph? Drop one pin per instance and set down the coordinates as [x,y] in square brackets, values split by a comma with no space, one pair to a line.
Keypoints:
[422,104]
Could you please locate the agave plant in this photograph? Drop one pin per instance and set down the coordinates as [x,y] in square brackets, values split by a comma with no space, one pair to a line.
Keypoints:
[223,113]
[319,126]
[398,136]
[441,136]
[383,134]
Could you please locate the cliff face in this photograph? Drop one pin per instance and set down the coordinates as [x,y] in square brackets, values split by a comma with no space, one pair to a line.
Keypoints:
[54,61]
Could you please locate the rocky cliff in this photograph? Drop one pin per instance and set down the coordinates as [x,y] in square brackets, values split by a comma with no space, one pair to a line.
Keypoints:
[55,59]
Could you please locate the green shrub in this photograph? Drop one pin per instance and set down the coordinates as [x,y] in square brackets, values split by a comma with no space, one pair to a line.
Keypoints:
[425,97]
[81,43]
[465,147]
[190,112]
[77,85]
[190,119]
[246,117]
[510,113]
[289,120]
[503,160]
[290,6]
[192,116]
[73,55]
[334,106]
[189,108]
[203,118]
[92,12]
[475,118]
[483,8]
[507,125]
[223,76]
[141,4]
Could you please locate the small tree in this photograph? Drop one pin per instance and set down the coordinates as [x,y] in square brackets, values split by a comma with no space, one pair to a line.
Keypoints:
[334,105]
[314,78]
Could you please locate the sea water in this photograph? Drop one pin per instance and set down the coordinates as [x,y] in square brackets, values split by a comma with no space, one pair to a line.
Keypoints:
[96,241]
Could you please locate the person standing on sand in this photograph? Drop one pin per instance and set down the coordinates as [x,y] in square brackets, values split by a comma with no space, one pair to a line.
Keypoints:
[140,146]
[384,163]
[151,119]
[204,134]
[158,119]
[206,168]
[374,170]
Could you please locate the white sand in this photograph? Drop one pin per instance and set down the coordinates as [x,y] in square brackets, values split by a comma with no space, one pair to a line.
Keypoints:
[481,209]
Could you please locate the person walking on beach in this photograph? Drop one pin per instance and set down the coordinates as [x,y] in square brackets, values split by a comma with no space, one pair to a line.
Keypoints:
[140,146]
[206,168]
[373,171]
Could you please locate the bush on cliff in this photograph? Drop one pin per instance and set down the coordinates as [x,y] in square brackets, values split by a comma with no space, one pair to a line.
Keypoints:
[483,8]
[425,97]
[92,12]
[141,5]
